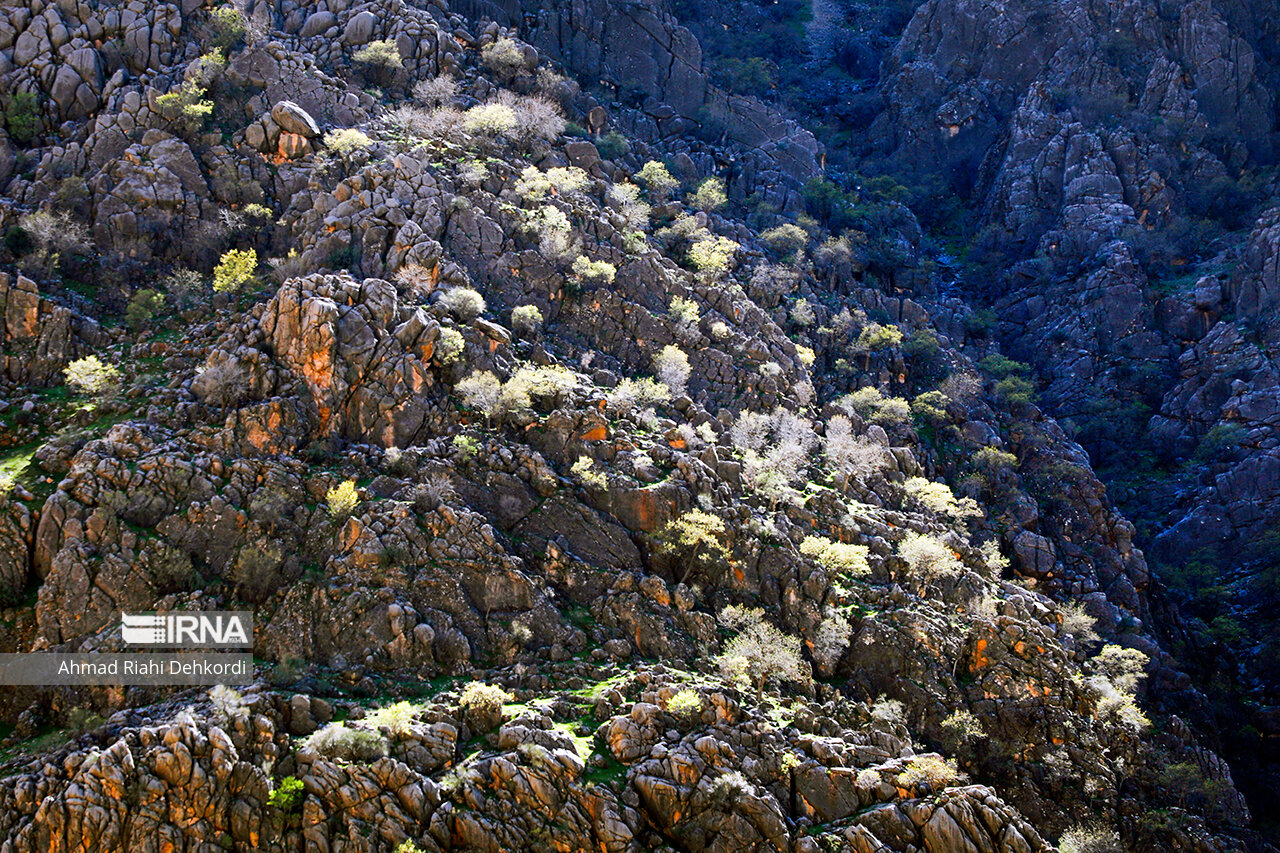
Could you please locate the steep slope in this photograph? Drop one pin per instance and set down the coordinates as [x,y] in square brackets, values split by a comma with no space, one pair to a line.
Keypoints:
[467,307]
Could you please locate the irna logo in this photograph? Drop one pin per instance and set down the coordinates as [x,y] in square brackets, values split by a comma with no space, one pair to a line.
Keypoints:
[193,629]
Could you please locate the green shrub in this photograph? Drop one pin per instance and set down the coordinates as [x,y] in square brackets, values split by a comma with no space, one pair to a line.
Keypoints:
[710,195]
[630,394]
[695,539]
[593,272]
[837,557]
[932,769]
[657,180]
[22,117]
[712,256]
[234,270]
[287,794]
[785,240]
[489,120]
[877,337]
[928,556]
[485,698]
[993,460]
[587,473]
[505,57]
[342,499]
[527,318]
[481,391]
[1093,838]
[347,140]
[466,446]
[931,406]
[1016,390]
[962,728]
[380,54]
[612,145]
[463,303]
[685,704]
[91,375]
[143,307]
[1001,367]
[338,742]
[226,26]
[396,717]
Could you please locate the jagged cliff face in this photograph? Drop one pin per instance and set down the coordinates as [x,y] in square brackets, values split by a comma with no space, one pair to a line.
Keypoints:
[529,536]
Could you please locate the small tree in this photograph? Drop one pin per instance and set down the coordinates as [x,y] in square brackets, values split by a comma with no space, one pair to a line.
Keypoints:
[226,27]
[489,121]
[505,57]
[657,180]
[436,91]
[785,240]
[712,256]
[760,653]
[379,61]
[143,307]
[234,270]
[695,539]
[837,557]
[671,366]
[710,195]
[287,794]
[91,375]
[929,557]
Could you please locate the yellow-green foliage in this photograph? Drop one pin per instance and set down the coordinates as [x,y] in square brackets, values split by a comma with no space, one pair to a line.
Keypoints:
[928,556]
[962,727]
[382,53]
[396,717]
[657,180]
[685,704]
[594,272]
[785,239]
[535,184]
[837,557]
[91,375]
[489,120]
[710,195]
[347,140]
[871,404]
[342,499]
[227,26]
[696,539]
[504,57]
[876,337]
[526,317]
[234,270]
[449,345]
[585,470]
[479,695]
[933,769]
[938,498]
[631,393]
[712,256]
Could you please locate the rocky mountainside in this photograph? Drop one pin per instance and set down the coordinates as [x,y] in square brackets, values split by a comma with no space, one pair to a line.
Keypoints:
[602,472]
